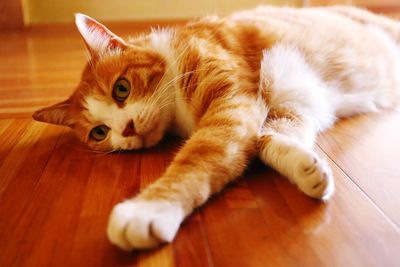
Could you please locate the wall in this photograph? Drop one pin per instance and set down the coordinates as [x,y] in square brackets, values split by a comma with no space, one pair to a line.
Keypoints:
[48,11]
[13,15]
[10,15]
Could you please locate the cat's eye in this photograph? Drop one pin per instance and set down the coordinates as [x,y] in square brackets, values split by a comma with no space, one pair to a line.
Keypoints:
[121,90]
[99,133]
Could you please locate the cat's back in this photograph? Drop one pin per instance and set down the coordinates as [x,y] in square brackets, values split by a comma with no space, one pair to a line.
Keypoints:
[339,25]
[351,49]
[342,19]
[346,45]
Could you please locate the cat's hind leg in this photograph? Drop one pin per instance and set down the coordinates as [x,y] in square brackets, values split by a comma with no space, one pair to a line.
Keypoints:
[299,108]
[283,146]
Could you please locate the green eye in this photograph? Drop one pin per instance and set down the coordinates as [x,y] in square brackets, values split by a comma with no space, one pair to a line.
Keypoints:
[99,133]
[121,90]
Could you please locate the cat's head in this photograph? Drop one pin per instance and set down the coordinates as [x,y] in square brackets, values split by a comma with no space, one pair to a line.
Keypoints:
[121,101]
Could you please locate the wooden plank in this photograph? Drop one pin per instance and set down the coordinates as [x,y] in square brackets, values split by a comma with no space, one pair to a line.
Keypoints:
[9,138]
[21,171]
[109,181]
[242,236]
[11,15]
[365,238]
[51,219]
[293,230]
[367,148]
[191,244]
[22,140]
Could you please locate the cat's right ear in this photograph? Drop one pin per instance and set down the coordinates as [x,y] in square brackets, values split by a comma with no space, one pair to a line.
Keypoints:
[55,114]
[98,39]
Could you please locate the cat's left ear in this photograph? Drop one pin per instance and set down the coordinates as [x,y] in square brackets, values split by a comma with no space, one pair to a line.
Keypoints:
[98,39]
[55,114]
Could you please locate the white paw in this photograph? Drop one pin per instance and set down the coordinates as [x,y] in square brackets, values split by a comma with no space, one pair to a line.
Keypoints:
[138,224]
[314,177]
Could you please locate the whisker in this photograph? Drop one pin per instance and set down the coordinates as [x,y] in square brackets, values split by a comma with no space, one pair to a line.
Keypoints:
[162,104]
[172,64]
[175,79]
[96,152]
[160,92]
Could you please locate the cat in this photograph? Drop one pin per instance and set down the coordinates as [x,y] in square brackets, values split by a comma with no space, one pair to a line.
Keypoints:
[262,82]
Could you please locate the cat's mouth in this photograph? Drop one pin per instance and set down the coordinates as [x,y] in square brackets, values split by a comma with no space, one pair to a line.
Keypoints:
[133,143]
[143,141]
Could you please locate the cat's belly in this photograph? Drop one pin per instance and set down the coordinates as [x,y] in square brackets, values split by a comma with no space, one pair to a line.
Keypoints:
[184,123]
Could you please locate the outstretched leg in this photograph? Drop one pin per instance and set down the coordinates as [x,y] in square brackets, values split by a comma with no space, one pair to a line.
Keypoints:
[215,154]
[299,108]
[284,146]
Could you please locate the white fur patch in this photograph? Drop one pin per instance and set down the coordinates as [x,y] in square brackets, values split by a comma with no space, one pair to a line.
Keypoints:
[116,119]
[184,119]
[161,42]
[109,114]
[143,224]
[184,124]
[296,86]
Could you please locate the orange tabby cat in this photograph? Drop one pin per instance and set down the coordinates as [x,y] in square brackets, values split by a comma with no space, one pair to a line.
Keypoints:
[263,82]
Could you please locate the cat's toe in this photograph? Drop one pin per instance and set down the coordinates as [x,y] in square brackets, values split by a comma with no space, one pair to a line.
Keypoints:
[143,224]
[314,177]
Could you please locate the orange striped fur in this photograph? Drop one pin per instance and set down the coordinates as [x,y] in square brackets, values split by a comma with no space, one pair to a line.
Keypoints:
[261,83]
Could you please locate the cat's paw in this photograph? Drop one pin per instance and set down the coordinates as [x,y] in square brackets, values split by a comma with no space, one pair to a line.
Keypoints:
[135,224]
[314,177]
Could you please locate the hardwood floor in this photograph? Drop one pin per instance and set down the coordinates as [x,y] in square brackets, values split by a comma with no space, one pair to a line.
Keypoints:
[55,196]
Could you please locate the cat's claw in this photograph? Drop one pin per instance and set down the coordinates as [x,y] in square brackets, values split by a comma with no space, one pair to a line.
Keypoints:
[314,177]
[135,224]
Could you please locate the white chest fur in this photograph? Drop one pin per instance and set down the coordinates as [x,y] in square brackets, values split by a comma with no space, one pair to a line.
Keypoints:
[184,123]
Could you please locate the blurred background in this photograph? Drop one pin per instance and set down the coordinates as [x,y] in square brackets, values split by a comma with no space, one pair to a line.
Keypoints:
[19,14]
[42,54]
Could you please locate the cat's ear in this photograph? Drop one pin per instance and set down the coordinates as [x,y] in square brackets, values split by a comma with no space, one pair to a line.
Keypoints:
[55,114]
[98,39]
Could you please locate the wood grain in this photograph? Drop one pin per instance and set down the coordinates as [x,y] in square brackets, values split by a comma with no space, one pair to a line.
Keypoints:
[55,195]
[355,151]
[11,17]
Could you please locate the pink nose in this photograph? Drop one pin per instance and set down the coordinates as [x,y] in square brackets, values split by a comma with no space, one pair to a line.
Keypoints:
[129,129]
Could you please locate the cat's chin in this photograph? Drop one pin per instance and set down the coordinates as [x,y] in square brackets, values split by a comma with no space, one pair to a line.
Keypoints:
[152,140]
[144,145]
[154,137]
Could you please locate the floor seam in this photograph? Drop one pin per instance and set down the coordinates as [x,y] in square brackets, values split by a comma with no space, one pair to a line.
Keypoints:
[386,216]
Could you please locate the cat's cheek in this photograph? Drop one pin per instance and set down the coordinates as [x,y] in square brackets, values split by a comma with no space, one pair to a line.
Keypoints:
[151,141]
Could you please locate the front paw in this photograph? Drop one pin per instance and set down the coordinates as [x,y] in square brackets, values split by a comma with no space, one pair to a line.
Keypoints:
[139,224]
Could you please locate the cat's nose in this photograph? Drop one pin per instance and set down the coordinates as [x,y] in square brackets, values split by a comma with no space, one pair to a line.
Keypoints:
[129,129]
